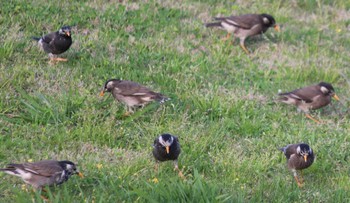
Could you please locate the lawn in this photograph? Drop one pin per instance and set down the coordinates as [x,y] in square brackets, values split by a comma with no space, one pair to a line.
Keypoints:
[223,105]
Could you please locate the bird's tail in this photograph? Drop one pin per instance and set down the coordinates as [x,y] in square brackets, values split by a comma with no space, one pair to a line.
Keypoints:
[161,98]
[215,24]
[36,38]
[283,149]
[10,169]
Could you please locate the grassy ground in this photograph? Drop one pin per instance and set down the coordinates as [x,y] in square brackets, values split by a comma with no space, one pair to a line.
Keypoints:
[223,106]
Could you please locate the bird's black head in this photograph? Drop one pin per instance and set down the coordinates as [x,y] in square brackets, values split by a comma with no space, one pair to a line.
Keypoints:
[327,89]
[70,168]
[269,21]
[304,150]
[109,85]
[65,31]
[166,140]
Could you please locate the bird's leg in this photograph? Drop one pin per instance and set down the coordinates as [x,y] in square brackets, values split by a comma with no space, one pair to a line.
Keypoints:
[296,178]
[301,177]
[227,37]
[128,112]
[243,47]
[156,166]
[177,169]
[308,116]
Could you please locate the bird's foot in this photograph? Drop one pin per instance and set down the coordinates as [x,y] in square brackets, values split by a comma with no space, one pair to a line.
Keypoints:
[126,114]
[181,175]
[227,37]
[44,198]
[60,59]
[244,49]
[310,117]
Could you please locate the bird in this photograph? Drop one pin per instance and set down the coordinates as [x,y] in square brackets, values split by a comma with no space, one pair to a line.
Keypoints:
[131,93]
[56,43]
[167,147]
[310,98]
[244,26]
[299,156]
[43,173]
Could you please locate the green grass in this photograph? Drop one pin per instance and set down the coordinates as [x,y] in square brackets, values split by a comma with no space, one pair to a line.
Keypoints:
[223,106]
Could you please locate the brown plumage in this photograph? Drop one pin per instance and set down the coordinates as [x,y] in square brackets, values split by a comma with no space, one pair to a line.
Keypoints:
[131,93]
[299,156]
[310,97]
[56,43]
[244,26]
[43,173]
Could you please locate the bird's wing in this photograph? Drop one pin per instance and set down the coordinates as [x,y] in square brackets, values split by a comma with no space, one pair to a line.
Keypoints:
[290,150]
[129,88]
[306,94]
[46,168]
[49,38]
[244,21]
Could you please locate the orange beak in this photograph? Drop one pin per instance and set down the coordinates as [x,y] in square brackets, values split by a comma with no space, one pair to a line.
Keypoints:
[80,175]
[167,148]
[68,34]
[102,93]
[336,97]
[277,28]
[305,158]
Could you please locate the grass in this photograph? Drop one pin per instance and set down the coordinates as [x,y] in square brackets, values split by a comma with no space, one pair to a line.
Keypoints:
[223,106]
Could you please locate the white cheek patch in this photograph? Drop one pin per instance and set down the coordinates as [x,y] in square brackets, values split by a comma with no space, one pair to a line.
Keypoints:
[298,150]
[266,20]
[109,84]
[324,90]
[68,166]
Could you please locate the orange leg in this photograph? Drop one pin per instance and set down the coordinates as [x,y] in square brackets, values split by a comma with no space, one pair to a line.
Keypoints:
[299,183]
[179,171]
[308,116]
[244,48]
[227,37]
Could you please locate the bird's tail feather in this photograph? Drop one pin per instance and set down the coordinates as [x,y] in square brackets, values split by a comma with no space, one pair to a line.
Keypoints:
[161,98]
[283,149]
[215,24]
[36,38]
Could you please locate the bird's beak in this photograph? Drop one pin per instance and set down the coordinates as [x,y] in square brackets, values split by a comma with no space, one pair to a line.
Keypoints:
[102,93]
[68,34]
[80,174]
[277,28]
[305,158]
[336,97]
[167,148]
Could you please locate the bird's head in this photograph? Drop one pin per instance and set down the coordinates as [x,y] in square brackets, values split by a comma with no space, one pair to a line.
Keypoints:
[70,168]
[327,89]
[109,85]
[305,151]
[269,21]
[65,31]
[166,140]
